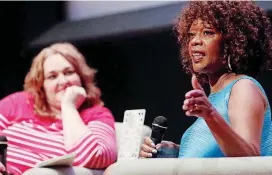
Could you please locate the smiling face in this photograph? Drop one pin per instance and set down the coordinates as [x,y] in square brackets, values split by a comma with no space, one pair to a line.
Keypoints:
[205,48]
[58,75]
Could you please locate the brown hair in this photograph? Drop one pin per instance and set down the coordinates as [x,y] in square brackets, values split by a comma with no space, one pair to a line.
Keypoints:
[35,77]
[245,28]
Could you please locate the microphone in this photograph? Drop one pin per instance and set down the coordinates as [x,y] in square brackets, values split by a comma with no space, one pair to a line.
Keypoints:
[159,127]
[3,151]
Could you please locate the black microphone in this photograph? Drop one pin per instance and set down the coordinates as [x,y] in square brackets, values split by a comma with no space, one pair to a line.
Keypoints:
[159,127]
[3,151]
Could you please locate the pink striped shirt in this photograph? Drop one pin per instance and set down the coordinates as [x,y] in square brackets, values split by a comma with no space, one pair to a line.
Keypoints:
[32,139]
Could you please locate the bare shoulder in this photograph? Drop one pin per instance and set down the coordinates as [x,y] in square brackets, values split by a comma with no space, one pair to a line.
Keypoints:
[246,90]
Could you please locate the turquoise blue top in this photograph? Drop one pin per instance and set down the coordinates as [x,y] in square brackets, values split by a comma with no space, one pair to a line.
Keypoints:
[198,140]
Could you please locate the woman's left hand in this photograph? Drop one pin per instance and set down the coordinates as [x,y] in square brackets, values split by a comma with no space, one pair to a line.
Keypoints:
[196,102]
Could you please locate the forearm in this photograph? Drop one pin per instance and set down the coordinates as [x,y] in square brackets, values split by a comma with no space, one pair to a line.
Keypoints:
[96,149]
[95,143]
[73,126]
[231,143]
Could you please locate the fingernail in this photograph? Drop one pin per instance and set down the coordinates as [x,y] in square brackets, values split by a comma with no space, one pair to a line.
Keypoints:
[153,145]
[154,151]
[149,155]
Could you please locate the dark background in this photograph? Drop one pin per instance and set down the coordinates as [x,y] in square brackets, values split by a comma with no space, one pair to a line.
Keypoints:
[140,71]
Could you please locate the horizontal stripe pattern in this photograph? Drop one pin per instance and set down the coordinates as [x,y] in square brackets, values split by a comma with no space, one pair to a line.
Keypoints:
[31,141]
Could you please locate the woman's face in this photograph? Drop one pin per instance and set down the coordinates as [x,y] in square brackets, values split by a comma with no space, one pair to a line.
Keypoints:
[58,75]
[205,47]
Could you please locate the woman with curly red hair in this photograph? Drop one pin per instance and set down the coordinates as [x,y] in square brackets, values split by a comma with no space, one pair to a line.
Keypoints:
[59,112]
[227,44]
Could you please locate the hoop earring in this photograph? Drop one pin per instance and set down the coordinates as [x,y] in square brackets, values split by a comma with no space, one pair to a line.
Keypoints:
[230,68]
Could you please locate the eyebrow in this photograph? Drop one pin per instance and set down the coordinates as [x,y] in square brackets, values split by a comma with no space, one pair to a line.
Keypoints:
[205,27]
[209,27]
[53,71]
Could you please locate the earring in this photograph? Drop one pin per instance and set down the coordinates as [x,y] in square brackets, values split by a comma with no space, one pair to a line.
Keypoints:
[230,68]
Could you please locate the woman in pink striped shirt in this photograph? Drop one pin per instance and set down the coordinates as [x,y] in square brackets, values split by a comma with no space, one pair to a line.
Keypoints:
[59,112]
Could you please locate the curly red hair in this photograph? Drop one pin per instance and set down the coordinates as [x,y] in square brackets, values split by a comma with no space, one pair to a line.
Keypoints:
[35,77]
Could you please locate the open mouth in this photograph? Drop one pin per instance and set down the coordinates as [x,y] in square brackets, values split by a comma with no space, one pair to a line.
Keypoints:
[197,56]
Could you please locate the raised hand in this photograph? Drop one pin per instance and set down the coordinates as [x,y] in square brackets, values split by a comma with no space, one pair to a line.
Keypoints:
[196,102]
[74,96]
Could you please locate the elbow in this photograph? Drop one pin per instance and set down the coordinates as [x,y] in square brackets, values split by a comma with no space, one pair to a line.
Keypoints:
[106,156]
[256,151]
[244,154]
[97,155]
[99,160]
[257,154]
[251,151]
[106,153]
[109,155]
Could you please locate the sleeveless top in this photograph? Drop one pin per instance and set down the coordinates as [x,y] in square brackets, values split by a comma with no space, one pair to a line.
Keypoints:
[198,141]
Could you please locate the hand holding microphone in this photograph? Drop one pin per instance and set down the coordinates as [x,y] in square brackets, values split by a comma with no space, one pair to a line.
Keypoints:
[151,145]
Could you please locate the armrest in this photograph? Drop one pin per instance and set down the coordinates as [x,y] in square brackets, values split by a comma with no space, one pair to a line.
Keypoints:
[193,166]
[62,171]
